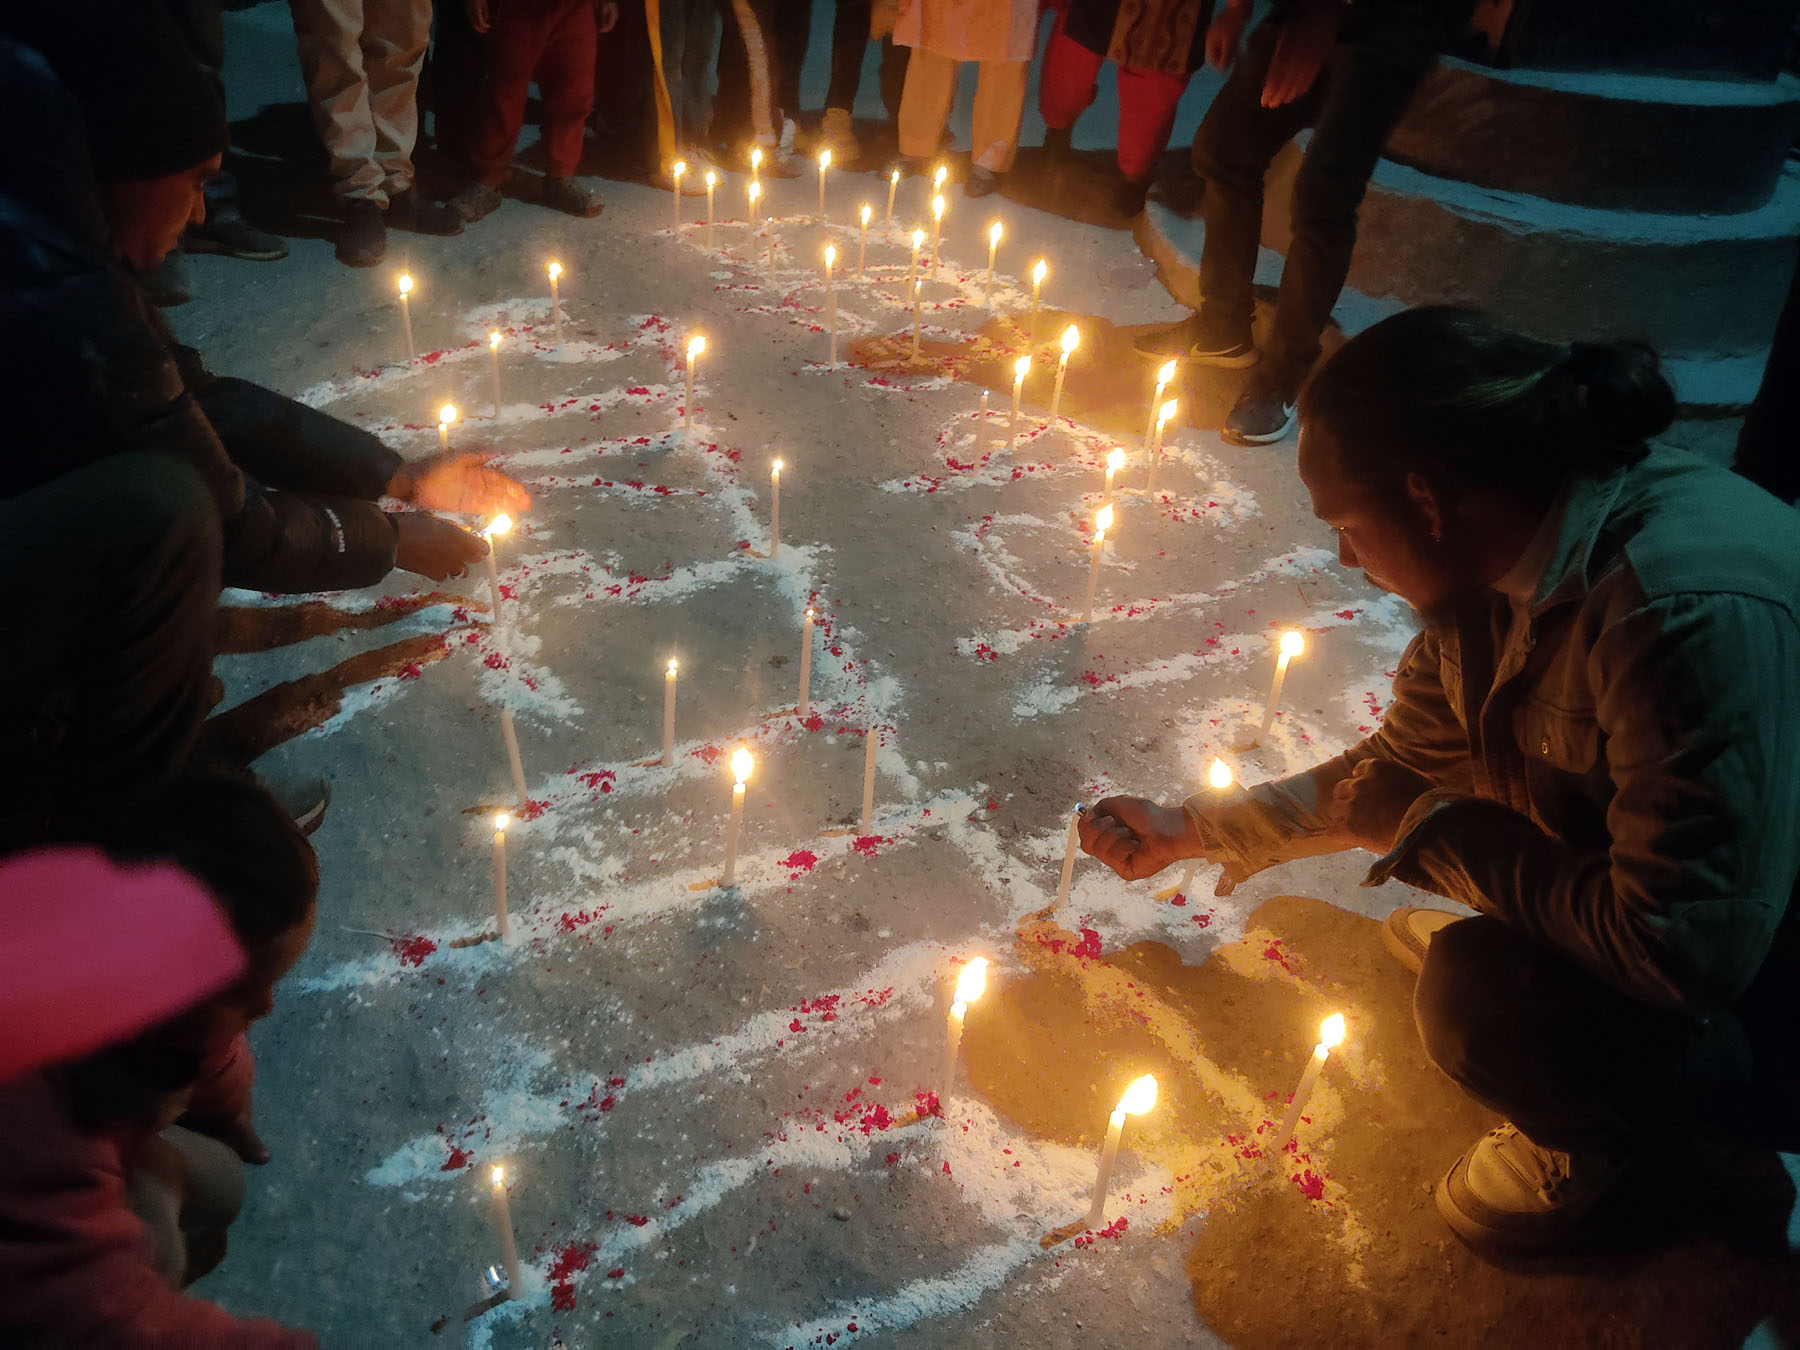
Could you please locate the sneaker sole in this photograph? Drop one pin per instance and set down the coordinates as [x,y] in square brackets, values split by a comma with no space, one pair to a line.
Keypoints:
[221,251]
[1258,437]
[1233,360]
[1462,1211]
[1401,945]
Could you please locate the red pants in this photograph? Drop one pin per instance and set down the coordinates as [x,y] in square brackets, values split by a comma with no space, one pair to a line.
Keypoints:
[1147,99]
[555,41]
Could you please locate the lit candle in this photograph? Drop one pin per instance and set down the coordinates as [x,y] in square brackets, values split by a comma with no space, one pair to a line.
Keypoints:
[496,527]
[918,242]
[554,268]
[510,734]
[1331,1035]
[969,987]
[1103,520]
[775,508]
[871,746]
[676,170]
[981,422]
[824,164]
[1164,373]
[751,194]
[1021,368]
[696,345]
[446,415]
[1164,415]
[937,229]
[742,762]
[937,178]
[755,162]
[1138,1098]
[1218,778]
[712,181]
[1071,339]
[1115,460]
[862,247]
[501,820]
[918,291]
[806,646]
[1039,270]
[995,232]
[494,366]
[831,301]
[509,1246]
[1291,645]
[406,284]
[669,681]
[1071,850]
[887,221]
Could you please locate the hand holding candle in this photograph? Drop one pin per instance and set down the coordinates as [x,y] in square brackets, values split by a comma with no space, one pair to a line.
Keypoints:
[1331,1035]
[1103,520]
[742,762]
[405,284]
[970,985]
[1139,1098]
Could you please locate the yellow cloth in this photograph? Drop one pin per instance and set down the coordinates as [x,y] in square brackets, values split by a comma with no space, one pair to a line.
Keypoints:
[999,102]
[969,30]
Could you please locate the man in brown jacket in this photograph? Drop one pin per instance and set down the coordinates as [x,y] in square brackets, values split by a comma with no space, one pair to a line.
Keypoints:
[1594,744]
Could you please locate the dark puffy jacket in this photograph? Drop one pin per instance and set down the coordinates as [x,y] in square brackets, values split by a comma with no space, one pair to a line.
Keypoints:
[89,369]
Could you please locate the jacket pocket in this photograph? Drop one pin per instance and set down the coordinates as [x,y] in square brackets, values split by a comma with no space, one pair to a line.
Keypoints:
[1565,740]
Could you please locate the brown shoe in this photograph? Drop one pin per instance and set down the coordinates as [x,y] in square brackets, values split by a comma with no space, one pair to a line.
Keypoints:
[572,197]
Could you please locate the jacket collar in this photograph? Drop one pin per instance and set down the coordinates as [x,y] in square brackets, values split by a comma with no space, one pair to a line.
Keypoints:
[1586,505]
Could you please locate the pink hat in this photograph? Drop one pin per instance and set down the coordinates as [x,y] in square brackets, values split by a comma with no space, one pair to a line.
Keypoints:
[92,952]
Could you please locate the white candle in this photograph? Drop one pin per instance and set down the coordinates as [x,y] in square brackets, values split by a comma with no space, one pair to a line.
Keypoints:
[1021,368]
[1103,520]
[969,987]
[862,247]
[1163,416]
[1218,778]
[918,290]
[806,646]
[496,527]
[712,181]
[669,682]
[554,269]
[1071,850]
[494,366]
[937,229]
[775,508]
[1071,339]
[1115,460]
[509,1246]
[771,257]
[981,422]
[406,284]
[887,221]
[918,242]
[1138,1098]
[937,178]
[510,734]
[676,170]
[501,821]
[871,747]
[1292,644]
[1039,270]
[741,764]
[1164,374]
[751,193]
[696,345]
[831,301]
[1331,1035]
[824,164]
[446,415]
[995,231]
[755,162]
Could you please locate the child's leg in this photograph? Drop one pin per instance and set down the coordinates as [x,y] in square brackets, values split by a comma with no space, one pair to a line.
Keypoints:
[1147,100]
[513,44]
[1069,78]
[565,75]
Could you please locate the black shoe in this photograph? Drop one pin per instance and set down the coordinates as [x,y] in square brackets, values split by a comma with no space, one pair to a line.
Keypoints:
[981,182]
[1129,195]
[572,197]
[235,237]
[1263,414]
[1057,145]
[475,201]
[1195,340]
[362,242]
[410,211]
[167,283]
[1181,192]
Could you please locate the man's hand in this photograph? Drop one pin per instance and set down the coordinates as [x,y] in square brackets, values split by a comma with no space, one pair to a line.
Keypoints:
[1301,50]
[1366,806]
[481,17]
[458,483]
[435,548]
[608,18]
[1137,837]
[1223,33]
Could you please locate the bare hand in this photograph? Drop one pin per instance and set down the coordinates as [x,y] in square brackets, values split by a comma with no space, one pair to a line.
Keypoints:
[1363,805]
[1137,837]
[609,17]
[435,548]
[459,483]
[241,1137]
[481,17]
[1300,51]
[1223,33]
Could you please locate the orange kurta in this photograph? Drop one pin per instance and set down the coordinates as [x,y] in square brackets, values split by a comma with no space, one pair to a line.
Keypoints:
[970,30]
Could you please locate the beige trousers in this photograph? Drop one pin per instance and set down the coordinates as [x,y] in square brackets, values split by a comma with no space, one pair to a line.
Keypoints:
[999,103]
[361,60]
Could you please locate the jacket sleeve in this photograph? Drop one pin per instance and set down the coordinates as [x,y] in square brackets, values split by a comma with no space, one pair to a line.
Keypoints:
[1699,713]
[1290,818]
[287,541]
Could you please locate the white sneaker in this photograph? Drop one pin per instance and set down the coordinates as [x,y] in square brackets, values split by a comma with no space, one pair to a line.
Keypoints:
[1408,931]
[1510,1194]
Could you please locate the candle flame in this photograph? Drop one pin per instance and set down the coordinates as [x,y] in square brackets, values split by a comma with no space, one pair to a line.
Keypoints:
[755,158]
[972,981]
[712,180]
[1021,368]
[1165,373]
[501,821]
[894,177]
[500,524]
[1331,1031]
[865,213]
[1219,776]
[755,191]
[1116,460]
[809,611]
[937,207]
[1039,270]
[1104,519]
[678,168]
[824,160]
[937,179]
[494,339]
[405,283]
[673,665]
[696,345]
[554,268]
[742,761]
[1071,339]
[775,468]
[446,414]
[499,1175]
[1292,643]
[1169,410]
[918,239]
[830,256]
[996,232]
[1139,1097]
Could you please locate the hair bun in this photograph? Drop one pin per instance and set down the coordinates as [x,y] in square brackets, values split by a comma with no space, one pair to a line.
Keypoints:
[1621,388]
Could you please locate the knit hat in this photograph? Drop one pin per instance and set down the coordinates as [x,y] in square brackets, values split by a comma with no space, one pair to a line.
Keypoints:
[151,107]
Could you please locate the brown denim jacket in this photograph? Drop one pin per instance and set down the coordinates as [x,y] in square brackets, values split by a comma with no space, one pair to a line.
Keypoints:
[1626,787]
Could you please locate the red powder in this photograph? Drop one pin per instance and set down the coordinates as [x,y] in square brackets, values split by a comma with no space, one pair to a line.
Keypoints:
[570,1258]
[636,1220]
[412,950]
[800,860]
[1089,946]
[868,844]
[1311,1184]
[458,1159]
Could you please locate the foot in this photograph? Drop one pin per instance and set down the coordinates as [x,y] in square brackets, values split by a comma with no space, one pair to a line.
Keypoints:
[839,136]
[779,159]
[1058,145]
[167,284]
[236,237]
[475,201]
[1510,1194]
[362,242]
[1196,340]
[572,197]
[409,210]
[1263,414]
[981,182]
[1129,195]
[1408,931]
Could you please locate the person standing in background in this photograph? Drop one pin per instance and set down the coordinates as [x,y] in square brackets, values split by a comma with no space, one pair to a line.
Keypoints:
[1000,35]
[858,23]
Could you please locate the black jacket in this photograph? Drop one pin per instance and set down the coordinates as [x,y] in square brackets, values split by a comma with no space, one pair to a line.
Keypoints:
[88,369]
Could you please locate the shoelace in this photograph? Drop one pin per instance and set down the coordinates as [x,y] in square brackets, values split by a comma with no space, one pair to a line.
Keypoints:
[1550,1170]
